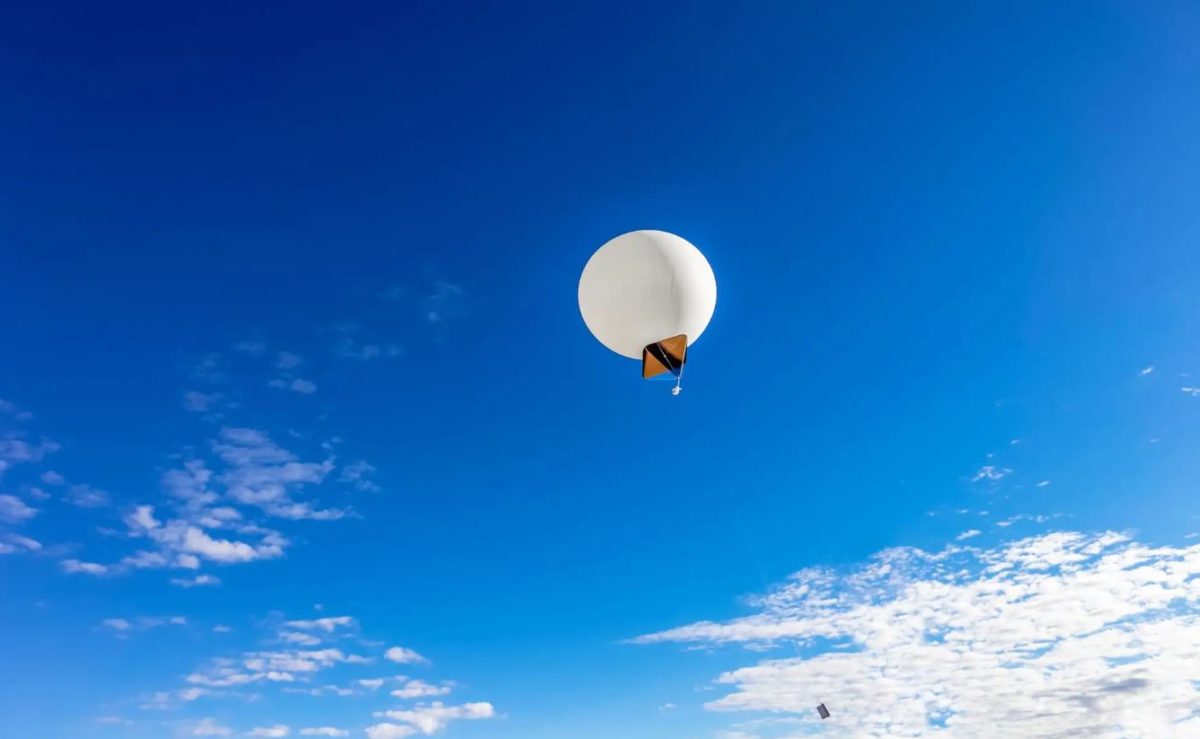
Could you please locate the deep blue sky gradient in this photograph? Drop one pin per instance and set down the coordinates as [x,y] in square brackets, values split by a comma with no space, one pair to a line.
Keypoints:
[936,227]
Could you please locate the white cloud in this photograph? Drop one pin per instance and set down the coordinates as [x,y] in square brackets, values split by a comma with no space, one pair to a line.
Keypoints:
[209,727]
[359,475]
[123,626]
[304,387]
[14,449]
[991,472]
[295,637]
[1022,517]
[1055,635]
[221,629]
[324,731]
[420,689]
[372,683]
[299,660]
[1146,370]
[86,496]
[195,582]
[13,544]
[50,477]
[198,402]
[328,625]
[389,731]
[1043,483]
[113,721]
[142,519]
[271,731]
[14,510]
[75,566]
[288,360]
[405,656]
[435,716]
[181,537]
[968,534]
[263,474]
[1192,391]
[295,384]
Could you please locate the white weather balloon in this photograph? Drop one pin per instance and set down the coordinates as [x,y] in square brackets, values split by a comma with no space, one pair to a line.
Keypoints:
[645,287]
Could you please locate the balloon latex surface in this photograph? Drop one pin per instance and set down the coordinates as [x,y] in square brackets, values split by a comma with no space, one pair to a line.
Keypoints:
[646,286]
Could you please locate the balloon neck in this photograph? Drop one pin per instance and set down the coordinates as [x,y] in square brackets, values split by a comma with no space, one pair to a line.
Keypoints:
[676,390]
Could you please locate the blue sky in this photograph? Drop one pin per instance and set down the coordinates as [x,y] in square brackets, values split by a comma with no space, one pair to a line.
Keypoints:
[294,378]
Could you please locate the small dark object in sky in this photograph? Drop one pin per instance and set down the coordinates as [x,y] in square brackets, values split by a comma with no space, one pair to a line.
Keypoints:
[823,711]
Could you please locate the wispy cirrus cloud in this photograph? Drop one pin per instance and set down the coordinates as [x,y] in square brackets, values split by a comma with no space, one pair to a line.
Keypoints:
[1096,631]
[125,626]
[991,473]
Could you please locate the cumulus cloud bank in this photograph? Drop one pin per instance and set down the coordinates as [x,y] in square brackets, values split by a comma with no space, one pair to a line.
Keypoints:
[1063,634]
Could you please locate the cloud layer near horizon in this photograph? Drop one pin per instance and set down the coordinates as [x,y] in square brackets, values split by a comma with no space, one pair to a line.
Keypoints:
[1063,634]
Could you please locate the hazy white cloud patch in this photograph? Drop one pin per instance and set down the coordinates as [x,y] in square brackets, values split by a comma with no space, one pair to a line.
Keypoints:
[76,567]
[1192,391]
[124,627]
[317,672]
[210,727]
[196,582]
[328,624]
[209,513]
[261,473]
[359,475]
[413,689]
[14,544]
[295,384]
[198,402]
[405,656]
[15,510]
[1040,518]
[389,731]
[113,721]
[253,348]
[991,473]
[968,534]
[86,496]
[16,449]
[434,717]
[1146,370]
[1062,634]
[10,410]
[288,360]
